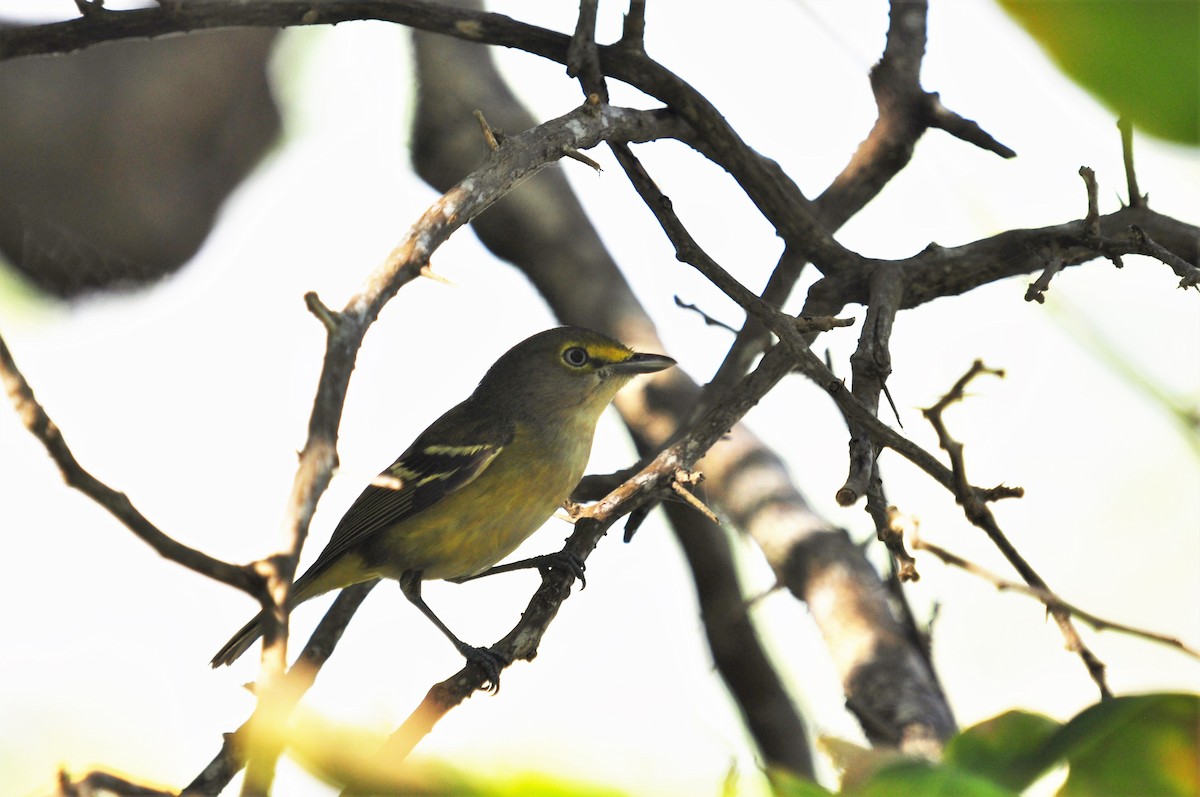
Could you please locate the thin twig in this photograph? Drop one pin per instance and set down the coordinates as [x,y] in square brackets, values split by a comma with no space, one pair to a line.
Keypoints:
[35,419]
[1051,600]
[708,320]
[231,757]
[1143,244]
[98,782]
[1136,198]
[978,513]
[1037,289]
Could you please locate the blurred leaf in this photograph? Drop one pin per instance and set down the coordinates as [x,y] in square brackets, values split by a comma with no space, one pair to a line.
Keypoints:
[1143,744]
[1006,749]
[858,764]
[1139,57]
[345,756]
[928,780]
[785,784]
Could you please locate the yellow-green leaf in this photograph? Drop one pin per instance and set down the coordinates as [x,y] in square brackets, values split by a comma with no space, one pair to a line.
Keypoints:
[1005,749]
[1139,57]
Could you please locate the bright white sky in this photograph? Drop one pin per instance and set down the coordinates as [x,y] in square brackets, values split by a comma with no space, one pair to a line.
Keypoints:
[192,397]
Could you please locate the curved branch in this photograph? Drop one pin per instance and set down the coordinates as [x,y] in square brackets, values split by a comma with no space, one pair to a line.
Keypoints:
[35,419]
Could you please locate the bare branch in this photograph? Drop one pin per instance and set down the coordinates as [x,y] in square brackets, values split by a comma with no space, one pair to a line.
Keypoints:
[871,365]
[978,513]
[35,419]
[583,58]
[232,755]
[98,782]
[1052,601]
[1143,244]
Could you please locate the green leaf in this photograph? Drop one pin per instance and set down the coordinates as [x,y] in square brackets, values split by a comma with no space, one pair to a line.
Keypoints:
[928,780]
[1139,57]
[1142,744]
[785,784]
[1007,749]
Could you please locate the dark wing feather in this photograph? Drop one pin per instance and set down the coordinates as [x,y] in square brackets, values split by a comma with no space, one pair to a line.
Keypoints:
[454,450]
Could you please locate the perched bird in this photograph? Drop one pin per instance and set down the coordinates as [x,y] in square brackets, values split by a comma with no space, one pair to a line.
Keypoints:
[479,480]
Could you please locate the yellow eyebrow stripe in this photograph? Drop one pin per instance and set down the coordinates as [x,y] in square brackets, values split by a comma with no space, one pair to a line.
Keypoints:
[608,354]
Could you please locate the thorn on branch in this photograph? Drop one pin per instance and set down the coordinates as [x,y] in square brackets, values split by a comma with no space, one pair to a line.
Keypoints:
[329,318]
[683,477]
[960,127]
[490,136]
[575,154]
[428,272]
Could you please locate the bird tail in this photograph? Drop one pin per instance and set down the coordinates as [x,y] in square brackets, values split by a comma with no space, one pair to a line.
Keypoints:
[239,643]
[325,575]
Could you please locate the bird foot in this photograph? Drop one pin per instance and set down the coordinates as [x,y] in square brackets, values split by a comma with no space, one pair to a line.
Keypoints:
[487,660]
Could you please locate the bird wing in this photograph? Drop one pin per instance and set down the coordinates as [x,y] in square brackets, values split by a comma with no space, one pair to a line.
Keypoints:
[445,457]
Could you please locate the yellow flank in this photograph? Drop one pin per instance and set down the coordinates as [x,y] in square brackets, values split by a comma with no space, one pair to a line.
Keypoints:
[489,519]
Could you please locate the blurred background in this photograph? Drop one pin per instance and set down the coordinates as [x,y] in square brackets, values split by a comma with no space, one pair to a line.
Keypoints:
[191,392]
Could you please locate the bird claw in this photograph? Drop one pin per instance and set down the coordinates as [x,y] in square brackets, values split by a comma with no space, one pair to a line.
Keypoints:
[489,661]
[565,560]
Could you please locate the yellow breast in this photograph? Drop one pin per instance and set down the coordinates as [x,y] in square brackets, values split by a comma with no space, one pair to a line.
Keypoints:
[485,520]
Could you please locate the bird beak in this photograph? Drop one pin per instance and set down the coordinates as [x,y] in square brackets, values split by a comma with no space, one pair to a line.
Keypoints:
[639,363]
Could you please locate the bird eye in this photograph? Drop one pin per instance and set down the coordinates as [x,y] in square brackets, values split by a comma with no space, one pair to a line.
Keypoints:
[576,357]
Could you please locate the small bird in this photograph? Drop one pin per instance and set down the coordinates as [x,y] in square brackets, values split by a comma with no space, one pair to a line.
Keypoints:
[479,480]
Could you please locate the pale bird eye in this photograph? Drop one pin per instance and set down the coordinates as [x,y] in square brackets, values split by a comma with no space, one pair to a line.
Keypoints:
[576,357]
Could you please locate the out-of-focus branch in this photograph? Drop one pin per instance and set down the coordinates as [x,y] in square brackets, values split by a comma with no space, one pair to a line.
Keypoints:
[977,512]
[230,759]
[98,782]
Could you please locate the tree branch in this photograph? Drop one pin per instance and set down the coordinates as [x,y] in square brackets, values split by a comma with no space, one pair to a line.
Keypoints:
[1052,601]
[978,513]
[518,158]
[35,419]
